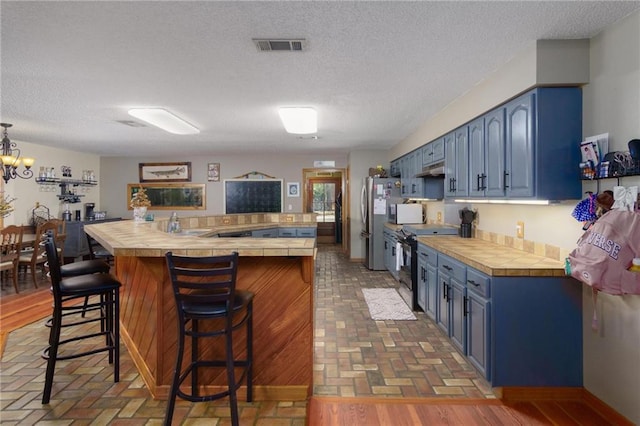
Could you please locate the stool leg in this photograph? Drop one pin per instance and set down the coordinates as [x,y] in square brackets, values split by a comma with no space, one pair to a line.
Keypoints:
[233,400]
[171,401]
[194,357]
[250,352]
[116,335]
[54,338]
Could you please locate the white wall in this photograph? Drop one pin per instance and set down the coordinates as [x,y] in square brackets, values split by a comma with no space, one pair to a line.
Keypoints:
[117,172]
[612,104]
[359,164]
[27,192]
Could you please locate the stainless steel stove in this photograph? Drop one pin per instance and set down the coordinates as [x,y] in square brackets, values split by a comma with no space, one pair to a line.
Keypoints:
[407,237]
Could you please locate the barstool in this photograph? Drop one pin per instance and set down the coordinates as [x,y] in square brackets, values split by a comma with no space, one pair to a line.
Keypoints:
[78,287]
[205,289]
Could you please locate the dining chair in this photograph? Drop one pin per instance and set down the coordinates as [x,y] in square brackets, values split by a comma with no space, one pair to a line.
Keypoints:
[36,257]
[10,251]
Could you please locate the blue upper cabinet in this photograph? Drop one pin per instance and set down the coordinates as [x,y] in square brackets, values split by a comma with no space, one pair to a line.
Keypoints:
[494,160]
[433,152]
[527,148]
[520,150]
[543,134]
[477,168]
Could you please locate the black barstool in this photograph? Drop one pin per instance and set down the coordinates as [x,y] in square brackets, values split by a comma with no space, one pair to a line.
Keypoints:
[205,289]
[104,285]
[83,267]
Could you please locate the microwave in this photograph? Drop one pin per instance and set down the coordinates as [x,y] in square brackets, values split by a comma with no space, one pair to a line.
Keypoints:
[405,213]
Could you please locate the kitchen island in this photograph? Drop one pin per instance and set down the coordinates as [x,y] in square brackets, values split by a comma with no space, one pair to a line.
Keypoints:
[280,271]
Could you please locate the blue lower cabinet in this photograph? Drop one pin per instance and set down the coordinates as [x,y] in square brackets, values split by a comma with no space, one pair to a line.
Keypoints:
[265,233]
[515,330]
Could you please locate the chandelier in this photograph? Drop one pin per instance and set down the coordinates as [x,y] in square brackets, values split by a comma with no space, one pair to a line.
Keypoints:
[11,159]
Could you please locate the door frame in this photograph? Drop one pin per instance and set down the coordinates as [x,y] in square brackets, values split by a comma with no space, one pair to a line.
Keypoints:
[309,173]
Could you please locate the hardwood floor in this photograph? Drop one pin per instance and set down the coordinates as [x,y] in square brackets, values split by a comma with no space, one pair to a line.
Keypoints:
[468,412]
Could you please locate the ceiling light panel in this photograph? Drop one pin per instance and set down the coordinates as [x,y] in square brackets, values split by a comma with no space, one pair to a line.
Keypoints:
[299,120]
[165,120]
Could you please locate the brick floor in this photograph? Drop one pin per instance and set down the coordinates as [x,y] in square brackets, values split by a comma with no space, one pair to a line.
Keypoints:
[354,356]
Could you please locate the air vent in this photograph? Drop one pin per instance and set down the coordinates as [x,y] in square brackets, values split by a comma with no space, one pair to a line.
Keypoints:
[131,123]
[275,45]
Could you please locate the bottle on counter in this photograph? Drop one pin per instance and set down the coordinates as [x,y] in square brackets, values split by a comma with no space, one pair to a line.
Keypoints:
[635,265]
[174,224]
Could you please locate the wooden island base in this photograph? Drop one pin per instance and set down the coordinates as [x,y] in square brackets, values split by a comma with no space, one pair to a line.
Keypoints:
[283,325]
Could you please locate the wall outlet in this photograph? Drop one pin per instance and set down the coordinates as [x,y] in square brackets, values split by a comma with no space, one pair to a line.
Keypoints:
[439,217]
[520,229]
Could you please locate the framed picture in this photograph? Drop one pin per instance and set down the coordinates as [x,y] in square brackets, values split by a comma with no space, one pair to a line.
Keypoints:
[171,196]
[293,189]
[165,172]
[213,172]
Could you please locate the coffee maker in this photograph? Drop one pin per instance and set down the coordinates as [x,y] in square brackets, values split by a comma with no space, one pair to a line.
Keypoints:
[88,211]
[466,219]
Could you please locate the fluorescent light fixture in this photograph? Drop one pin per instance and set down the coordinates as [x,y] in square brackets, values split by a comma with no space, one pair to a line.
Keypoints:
[165,120]
[299,120]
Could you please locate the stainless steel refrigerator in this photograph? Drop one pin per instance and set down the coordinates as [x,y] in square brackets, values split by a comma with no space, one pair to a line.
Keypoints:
[376,195]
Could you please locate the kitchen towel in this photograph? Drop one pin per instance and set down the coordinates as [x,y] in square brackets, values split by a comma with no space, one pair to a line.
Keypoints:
[399,257]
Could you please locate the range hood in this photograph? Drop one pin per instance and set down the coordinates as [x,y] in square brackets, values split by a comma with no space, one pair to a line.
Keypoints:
[435,170]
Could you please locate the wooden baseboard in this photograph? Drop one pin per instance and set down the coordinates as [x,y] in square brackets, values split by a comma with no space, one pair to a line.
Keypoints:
[537,393]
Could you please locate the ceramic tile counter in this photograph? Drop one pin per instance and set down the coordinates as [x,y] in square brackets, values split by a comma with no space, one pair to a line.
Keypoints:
[280,271]
[494,259]
[129,238]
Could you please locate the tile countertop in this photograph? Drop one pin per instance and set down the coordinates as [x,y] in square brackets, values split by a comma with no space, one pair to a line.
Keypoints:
[128,238]
[494,259]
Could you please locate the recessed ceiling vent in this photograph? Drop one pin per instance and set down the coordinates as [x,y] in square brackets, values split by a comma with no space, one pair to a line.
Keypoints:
[286,45]
[131,123]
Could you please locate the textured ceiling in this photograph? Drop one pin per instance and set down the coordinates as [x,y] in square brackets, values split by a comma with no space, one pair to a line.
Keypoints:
[374,71]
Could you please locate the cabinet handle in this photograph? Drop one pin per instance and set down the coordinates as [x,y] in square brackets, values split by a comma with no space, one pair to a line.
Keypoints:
[393,250]
[447,267]
[413,188]
[465,306]
[506,175]
[444,290]
[478,177]
[473,283]
[454,184]
[484,181]
[422,271]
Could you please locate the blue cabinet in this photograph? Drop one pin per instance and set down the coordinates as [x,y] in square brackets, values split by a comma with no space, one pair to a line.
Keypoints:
[515,330]
[427,280]
[394,169]
[478,321]
[390,252]
[526,148]
[456,166]
[543,134]
[265,233]
[450,311]
[433,152]
[306,232]
[477,166]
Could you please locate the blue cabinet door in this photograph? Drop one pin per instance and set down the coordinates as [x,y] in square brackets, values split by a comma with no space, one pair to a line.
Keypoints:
[432,291]
[427,154]
[461,183]
[438,150]
[520,158]
[478,334]
[422,281]
[494,153]
[477,172]
[449,165]
[444,295]
[458,326]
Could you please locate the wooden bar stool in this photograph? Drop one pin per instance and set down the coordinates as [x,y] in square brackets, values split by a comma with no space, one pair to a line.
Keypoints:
[205,292]
[104,285]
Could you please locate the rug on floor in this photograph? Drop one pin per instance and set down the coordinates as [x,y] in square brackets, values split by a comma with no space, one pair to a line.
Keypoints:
[386,304]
